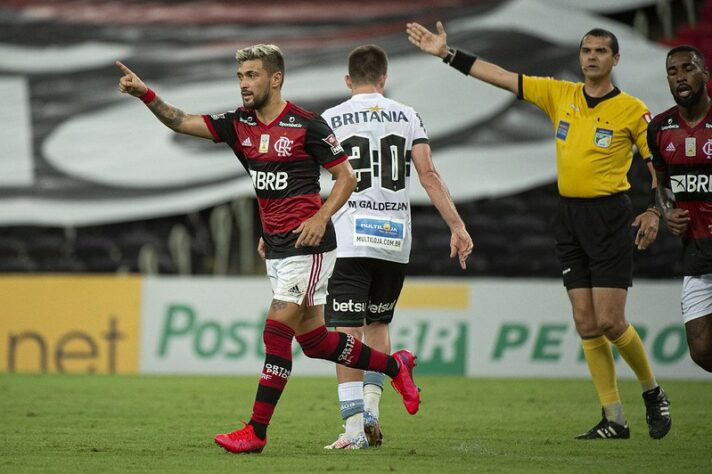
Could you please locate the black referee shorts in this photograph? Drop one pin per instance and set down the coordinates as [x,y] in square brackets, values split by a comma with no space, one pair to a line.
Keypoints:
[594,241]
[363,290]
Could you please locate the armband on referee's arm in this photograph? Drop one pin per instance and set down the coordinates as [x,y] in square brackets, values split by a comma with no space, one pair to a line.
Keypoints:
[460,60]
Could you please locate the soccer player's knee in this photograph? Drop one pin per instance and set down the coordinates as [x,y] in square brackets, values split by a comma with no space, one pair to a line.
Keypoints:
[587,328]
[702,356]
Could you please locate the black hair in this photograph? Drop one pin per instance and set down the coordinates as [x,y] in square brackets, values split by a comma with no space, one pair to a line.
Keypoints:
[601,33]
[686,48]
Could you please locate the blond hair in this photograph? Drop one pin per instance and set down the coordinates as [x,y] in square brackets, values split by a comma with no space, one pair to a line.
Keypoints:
[271,56]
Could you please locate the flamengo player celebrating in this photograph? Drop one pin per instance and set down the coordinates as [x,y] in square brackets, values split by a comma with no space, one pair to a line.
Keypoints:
[383,138]
[680,140]
[282,146]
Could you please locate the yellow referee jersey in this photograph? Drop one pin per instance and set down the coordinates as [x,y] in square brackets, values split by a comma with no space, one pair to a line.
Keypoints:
[594,146]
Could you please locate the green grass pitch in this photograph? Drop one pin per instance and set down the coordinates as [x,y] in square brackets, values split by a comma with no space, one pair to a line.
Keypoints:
[63,423]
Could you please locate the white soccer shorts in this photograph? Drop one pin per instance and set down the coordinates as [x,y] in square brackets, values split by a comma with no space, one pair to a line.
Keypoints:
[303,276]
[696,296]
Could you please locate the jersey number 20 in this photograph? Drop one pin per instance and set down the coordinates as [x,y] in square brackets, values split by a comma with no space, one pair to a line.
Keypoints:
[388,161]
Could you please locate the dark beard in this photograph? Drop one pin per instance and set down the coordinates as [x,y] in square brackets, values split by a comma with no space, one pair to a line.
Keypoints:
[691,100]
[257,102]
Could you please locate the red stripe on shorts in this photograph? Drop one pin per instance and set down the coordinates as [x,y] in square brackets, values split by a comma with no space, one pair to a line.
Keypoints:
[314,277]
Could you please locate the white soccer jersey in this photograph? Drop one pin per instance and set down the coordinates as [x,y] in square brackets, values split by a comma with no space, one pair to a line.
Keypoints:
[378,134]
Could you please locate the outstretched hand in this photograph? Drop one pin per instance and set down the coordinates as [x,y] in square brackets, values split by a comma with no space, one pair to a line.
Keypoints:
[130,83]
[420,36]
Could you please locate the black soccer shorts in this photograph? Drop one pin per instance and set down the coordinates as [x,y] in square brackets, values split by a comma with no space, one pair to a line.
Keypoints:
[363,290]
[594,241]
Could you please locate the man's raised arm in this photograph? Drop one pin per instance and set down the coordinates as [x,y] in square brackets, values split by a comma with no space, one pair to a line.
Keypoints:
[172,117]
[466,63]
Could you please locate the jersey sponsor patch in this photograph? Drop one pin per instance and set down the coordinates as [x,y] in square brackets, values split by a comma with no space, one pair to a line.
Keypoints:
[690,147]
[378,233]
[336,148]
[691,183]
[563,130]
[246,142]
[603,137]
[669,125]
[264,143]
[671,148]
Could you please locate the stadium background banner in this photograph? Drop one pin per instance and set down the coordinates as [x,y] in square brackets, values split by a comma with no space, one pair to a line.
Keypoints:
[69,324]
[456,327]
[171,325]
[209,326]
[75,151]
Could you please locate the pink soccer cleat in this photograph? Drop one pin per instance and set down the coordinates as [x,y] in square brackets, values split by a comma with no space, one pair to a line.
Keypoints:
[403,382]
[241,441]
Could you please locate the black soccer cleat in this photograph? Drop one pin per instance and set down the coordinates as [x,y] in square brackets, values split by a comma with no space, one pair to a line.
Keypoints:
[606,430]
[657,412]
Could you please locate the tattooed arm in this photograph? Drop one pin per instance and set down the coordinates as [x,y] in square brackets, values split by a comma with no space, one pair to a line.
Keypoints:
[172,117]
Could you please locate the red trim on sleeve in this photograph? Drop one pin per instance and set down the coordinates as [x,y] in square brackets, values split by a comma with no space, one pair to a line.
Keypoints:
[209,123]
[343,158]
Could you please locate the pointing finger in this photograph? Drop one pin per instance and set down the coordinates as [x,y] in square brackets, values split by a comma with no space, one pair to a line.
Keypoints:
[123,68]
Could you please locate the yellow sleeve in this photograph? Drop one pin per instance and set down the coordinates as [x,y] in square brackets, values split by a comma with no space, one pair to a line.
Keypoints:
[544,92]
[640,130]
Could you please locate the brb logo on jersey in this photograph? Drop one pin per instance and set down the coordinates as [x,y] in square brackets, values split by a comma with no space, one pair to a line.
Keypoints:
[691,183]
[283,147]
[269,181]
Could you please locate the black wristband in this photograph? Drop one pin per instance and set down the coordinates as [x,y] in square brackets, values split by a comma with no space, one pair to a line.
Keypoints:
[448,57]
[462,61]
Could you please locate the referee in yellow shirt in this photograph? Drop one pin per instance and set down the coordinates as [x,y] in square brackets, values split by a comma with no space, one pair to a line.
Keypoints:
[595,126]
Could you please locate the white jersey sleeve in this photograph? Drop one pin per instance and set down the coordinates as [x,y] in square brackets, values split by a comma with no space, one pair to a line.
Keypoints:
[378,134]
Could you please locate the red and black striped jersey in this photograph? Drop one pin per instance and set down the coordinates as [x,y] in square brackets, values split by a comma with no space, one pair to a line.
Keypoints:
[283,159]
[684,154]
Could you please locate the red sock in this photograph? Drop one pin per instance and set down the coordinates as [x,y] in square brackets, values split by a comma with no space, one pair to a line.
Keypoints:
[275,373]
[346,350]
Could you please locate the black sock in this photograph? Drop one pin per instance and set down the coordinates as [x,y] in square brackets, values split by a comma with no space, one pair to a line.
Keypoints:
[392,367]
[260,429]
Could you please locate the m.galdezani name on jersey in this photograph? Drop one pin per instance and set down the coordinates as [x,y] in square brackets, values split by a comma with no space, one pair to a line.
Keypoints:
[361,116]
[379,206]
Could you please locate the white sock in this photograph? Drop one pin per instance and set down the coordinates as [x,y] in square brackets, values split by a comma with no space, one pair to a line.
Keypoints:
[351,400]
[354,425]
[372,398]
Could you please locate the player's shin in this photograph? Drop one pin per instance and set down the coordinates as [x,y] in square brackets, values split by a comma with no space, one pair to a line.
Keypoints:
[346,350]
[275,374]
